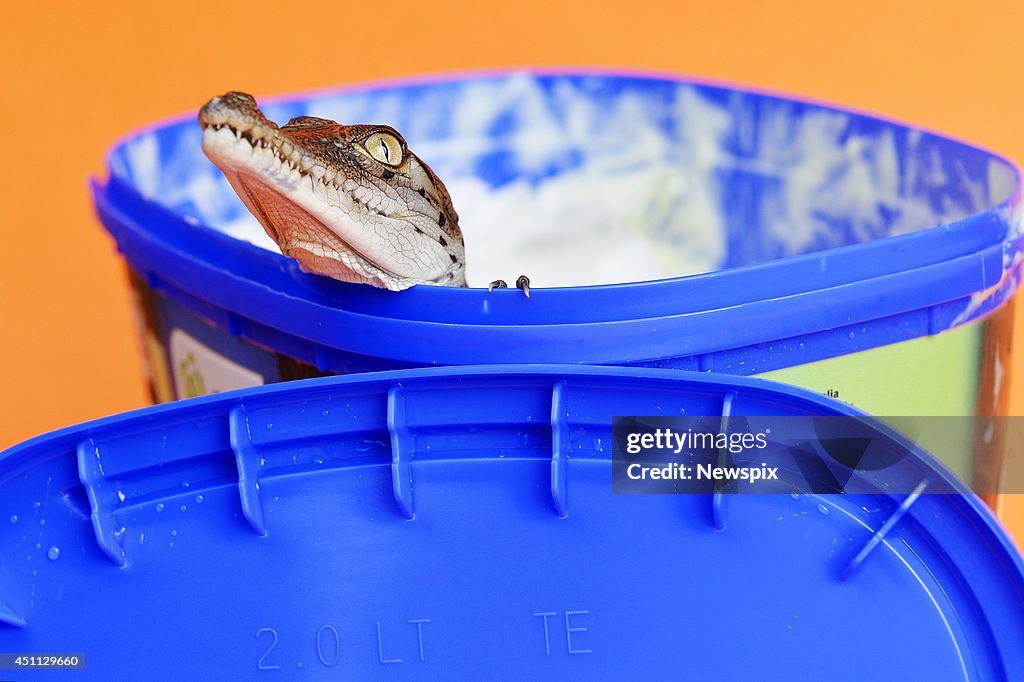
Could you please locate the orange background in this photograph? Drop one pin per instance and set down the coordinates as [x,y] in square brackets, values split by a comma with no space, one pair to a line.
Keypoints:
[78,75]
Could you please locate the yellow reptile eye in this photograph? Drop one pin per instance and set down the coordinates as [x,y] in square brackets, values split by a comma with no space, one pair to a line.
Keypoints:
[384,147]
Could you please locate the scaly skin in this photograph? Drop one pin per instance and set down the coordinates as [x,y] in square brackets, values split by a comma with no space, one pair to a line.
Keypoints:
[349,202]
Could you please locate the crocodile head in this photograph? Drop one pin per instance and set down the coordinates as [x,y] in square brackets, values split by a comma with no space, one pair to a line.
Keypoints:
[347,201]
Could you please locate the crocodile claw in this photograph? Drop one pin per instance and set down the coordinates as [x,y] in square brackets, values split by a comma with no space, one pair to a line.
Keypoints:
[523,283]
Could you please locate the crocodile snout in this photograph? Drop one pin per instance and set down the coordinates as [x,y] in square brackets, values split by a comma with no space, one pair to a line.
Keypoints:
[230,108]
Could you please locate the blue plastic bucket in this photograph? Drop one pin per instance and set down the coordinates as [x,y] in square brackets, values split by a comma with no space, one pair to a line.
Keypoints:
[748,234]
[459,523]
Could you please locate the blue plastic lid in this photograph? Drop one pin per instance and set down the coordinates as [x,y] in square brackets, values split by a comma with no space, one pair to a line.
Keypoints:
[832,221]
[458,523]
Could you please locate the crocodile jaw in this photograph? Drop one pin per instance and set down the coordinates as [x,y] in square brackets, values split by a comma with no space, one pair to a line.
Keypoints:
[327,216]
[296,213]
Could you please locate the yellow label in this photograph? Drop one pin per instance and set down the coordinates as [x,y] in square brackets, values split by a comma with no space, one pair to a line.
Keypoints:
[928,376]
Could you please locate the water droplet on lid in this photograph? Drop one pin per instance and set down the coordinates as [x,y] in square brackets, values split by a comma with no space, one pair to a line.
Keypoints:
[276,498]
[795,496]
[174,531]
[199,499]
[184,507]
[14,518]
[53,553]
[159,506]
[823,509]
[120,495]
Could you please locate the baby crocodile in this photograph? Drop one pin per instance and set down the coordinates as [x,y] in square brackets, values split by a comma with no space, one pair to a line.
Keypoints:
[346,201]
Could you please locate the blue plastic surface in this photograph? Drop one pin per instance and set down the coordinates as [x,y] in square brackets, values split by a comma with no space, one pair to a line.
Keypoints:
[458,523]
[866,265]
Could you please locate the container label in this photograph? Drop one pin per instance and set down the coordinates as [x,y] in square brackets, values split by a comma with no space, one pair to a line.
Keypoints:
[199,370]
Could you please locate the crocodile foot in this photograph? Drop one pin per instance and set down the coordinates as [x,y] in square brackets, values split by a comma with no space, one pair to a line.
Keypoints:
[523,284]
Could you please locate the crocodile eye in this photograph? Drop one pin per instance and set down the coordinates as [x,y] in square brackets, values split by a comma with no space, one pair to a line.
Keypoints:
[384,147]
